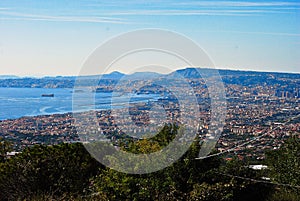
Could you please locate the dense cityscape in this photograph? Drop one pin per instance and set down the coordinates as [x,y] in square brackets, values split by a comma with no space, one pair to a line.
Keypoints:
[262,112]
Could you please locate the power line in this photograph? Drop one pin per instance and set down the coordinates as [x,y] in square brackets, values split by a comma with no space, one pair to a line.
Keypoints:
[258,181]
[247,142]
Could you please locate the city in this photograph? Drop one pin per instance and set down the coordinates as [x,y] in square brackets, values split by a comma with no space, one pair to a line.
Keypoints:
[267,110]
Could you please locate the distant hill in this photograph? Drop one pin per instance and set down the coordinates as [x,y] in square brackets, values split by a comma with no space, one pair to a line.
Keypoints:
[113,75]
[239,77]
[8,77]
[194,72]
[143,75]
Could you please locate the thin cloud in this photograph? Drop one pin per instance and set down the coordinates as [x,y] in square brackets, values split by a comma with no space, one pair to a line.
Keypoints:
[194,12]
[165,8]
[268,33]
[33,17]
[257,33]
[237,3]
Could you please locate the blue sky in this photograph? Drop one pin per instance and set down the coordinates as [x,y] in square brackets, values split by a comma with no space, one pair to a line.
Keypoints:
[55,37]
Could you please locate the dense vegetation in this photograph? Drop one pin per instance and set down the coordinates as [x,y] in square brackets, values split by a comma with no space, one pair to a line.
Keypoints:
[68,172]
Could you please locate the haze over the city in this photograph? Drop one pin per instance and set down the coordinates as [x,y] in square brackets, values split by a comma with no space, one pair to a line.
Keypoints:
[55,37]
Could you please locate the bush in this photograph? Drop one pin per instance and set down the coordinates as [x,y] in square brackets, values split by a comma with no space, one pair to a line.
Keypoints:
[54,170]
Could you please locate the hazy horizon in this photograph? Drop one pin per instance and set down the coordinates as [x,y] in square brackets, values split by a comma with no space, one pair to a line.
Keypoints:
[243,70]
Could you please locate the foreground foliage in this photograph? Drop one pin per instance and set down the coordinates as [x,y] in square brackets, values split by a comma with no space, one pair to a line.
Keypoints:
[68,172]
[55,170]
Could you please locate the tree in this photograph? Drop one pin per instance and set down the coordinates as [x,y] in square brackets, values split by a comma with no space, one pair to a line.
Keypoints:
[284,164]
[284,167]
[5,146]
[172,183]
[55,170]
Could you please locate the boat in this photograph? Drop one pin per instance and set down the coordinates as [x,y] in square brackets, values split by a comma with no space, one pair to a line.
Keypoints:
[47,95]
[103,90]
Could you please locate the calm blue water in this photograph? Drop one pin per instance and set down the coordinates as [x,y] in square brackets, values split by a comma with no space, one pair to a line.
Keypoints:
[19,102]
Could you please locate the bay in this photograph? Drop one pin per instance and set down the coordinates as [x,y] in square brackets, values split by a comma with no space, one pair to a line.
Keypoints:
[19,102]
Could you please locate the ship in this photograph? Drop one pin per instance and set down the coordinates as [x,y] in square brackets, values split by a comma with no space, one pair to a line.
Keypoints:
[47,95]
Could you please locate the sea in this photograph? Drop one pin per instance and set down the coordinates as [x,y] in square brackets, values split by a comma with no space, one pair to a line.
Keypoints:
[20,102]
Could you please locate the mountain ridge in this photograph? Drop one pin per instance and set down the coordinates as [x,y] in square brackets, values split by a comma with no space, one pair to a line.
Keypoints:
[187,72]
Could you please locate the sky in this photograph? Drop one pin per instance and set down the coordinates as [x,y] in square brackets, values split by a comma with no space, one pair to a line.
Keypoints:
[39,38]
